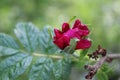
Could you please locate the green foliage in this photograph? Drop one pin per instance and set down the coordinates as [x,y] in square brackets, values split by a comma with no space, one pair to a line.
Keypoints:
[45,37]
[47,69]
[103,72]
[102,75]
[18,59]
[8,41]
[14,66]
[71,48]
[83,53]
[27,35]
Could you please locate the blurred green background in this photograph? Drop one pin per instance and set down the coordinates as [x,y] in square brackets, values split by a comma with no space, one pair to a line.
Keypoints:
[102,17]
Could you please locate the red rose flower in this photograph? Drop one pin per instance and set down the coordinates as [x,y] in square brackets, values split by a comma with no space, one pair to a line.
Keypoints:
[79,31]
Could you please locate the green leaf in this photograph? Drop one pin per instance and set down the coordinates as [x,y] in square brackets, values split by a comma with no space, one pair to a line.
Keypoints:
[14,66]
[45,40]
[83,53]
[102,75]
[17,60]
[72,19]
[41,70]
[27,33]
[81,63]
[47,69]
[4,51]
[8,41]
[107,69]
[62,70]
[8,45]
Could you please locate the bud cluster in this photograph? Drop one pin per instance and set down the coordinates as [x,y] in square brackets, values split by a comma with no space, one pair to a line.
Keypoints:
[100,51]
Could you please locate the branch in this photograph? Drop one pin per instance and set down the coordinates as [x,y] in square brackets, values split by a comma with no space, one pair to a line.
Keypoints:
[114,55]
[94,68]
[105,58]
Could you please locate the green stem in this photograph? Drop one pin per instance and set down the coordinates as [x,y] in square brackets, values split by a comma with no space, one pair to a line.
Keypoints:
[57,57]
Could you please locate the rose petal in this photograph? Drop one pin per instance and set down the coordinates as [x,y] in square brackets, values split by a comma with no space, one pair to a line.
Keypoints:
[74,33]
[83,44]
[84,29]
[65,27]
[85,32]
[77,23]
[58,33]
[62,42]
